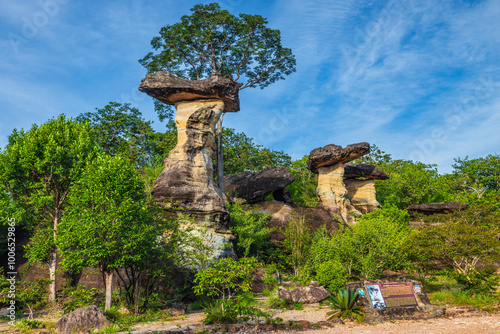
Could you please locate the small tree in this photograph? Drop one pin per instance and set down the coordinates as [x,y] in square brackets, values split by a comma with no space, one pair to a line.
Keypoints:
[213,41]
[107,223]
[297,242]
[37,169]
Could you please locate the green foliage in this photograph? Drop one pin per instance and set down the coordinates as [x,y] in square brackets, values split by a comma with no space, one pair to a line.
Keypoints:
[80,296]
[107,223]
[213,40]
[276,302]
[459,246]
[243,307]
[30,324]
[29,296]
[250,231]
[343,305]
[487,302]
[225,277]
[303,189]
[332,274]
[370,246]
[241,154]
[120,129]
[297,242]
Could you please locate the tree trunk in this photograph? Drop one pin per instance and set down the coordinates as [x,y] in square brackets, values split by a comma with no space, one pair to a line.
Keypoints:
[53,261]
[108,281]
[137,291]
[220,155]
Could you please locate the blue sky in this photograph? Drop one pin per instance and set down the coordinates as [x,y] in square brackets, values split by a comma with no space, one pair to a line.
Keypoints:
[420,79]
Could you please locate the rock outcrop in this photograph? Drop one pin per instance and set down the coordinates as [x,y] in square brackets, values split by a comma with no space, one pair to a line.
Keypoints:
[364,171]
[362,192]
[433,208]
[328,162]
[311,293]
[187,179]
[170,89]
[82,320]
[253,187]
[282,213]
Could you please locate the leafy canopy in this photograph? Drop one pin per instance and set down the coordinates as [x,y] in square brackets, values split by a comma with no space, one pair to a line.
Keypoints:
[213,40]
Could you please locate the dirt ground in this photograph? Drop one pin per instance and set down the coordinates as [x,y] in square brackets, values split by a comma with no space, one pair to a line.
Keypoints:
[463,321]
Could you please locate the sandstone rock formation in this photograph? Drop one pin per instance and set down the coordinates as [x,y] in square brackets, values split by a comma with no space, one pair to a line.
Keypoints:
[253,187]
[187,179]
[311,293]
[328,162]
[82,320]
[432,208]
[362,193]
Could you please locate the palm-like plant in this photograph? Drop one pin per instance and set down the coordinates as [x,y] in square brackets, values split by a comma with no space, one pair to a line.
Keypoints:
[343,304]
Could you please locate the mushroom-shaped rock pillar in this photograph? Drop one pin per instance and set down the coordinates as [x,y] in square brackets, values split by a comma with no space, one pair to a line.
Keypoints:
[187,179]
[328,162]
[362,193]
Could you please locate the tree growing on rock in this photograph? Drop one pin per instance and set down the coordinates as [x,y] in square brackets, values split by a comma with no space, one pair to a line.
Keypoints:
[37,169]
[213,41]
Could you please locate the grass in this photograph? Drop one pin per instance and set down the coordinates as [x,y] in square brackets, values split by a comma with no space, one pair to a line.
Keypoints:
[490,303]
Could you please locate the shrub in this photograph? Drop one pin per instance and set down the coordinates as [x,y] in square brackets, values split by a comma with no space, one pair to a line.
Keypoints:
[80,296]
[332,275]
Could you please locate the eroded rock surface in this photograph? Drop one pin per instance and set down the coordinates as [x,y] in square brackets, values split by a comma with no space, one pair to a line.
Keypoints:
[253,187]
[364,171]
[362,195]
[82,320]
[432,208]
[311,293]
[334,154]
[170,89]
[187,179]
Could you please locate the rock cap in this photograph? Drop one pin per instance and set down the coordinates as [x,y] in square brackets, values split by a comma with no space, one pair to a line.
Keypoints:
[431,208]
[332,154]
[170,89]
[364,171]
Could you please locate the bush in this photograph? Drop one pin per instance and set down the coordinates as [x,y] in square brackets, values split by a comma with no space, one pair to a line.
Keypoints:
[250,231]
[230,310]
[332,275]
[80,296]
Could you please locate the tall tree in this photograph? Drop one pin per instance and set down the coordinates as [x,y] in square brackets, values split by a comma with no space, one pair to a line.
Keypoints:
[38,168]
[107,223]
[214,41]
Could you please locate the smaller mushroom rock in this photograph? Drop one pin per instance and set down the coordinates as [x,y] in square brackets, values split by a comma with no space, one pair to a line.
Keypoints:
[82,320]
[362,195]
[334,154]
[432,208]
[170,89]
[255,186]
[364,171]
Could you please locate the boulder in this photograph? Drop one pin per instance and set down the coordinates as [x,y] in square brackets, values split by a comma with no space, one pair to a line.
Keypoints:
[364,171]
[432,208]
[334,154]
[311,293]
[170,89]
[253,187]
[82,320]
[362,195]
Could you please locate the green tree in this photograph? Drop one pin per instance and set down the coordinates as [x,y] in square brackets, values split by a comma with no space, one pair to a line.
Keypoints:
[107,223]
[213,41]
[303,189]
[37,169]
[241,154]
[120,129]
[297,243]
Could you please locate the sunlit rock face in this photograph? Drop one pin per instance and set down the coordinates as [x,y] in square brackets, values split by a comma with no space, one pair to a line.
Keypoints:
[362,195]
[328,163]
[187,181]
